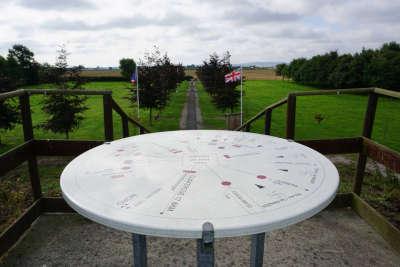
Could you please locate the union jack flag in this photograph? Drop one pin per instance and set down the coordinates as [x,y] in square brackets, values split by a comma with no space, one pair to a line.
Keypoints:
[233,76]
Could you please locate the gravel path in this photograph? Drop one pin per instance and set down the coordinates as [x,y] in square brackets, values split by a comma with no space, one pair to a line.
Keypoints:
[191,115]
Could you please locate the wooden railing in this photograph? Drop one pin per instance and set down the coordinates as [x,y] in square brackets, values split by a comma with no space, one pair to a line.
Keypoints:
[339,145]
[109,105]
[31,148]
[363,145]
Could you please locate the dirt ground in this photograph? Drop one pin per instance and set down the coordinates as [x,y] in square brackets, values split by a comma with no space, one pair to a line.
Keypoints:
[332,238]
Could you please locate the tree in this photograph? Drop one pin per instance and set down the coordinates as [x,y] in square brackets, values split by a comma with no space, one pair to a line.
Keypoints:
[371,67]
[127,67]
[212,76]
[158,78]
[47,73]
[28,68]
[9,113]
[385,67]
[65,112]
[281,70]
[294,68]
[180,73]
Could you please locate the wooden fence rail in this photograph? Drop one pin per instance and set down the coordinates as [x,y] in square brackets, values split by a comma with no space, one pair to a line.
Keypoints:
[362,145]
[369,117]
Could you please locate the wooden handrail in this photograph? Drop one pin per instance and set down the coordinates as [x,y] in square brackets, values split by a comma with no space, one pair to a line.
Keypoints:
[67,92]
[10,94]
[123,114]
[20,92]
[334,91]
[319,92]
[385,92]
[261,113]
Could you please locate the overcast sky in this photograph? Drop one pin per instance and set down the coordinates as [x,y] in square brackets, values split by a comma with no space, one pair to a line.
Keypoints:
[100,32]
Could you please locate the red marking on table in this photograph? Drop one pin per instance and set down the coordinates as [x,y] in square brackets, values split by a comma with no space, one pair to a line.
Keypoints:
[117,176]
[261,177]
[126,168]
[227,156]
[189,171]
[119,150]
[236,145]
[226,183]
[175,151]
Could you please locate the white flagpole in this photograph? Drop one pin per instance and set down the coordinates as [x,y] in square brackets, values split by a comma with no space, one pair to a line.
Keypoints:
[241,94]
[137,91]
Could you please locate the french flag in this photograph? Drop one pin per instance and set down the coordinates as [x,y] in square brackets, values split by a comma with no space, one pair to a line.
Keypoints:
[133,77]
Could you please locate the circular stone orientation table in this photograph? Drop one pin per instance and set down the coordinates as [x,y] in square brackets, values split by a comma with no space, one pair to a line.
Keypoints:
[170,183]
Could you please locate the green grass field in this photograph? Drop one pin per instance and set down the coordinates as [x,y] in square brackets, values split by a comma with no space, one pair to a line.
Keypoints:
[343,117]
[342,114]
[92,126]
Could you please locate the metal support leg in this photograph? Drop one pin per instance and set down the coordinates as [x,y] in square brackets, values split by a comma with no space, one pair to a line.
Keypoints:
[205,247]
[257,250]
[139,250]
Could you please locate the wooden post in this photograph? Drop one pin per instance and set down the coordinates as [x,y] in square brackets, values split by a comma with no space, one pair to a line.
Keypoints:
[125,126]
[267,125]
[291,116]
[28,135]
[370,115]
[367,132]
[26,116]
[108,120]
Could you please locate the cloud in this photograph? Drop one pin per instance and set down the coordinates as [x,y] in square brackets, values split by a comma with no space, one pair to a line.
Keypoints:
[99,32]
[56,5]
[258,15]
[131,22]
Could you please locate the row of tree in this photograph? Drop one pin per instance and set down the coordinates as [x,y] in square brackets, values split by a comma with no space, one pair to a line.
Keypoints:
[368,68]
[158,78]
[64,112]
[212,75]
[18,68]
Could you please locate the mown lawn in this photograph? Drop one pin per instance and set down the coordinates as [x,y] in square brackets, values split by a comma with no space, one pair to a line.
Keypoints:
[15,189]
[342,114]
[342,117]
[92,126]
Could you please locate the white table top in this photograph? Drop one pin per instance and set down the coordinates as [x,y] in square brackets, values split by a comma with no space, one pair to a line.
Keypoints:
[170,183]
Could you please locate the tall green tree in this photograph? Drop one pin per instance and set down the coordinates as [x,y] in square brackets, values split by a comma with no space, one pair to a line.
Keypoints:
[27,69]
[212,75]
[158,78]
[385,67]
[9,112]
[65,112]
[127,67]
[368,68]
[281,70]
